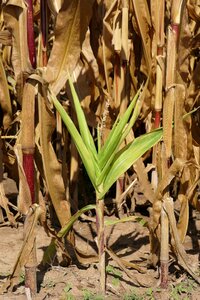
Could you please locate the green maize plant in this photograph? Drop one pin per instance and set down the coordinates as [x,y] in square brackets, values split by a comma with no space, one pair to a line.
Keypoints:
[107,163]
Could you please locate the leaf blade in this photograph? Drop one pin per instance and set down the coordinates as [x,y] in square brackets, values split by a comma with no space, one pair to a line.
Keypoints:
[83,127]
[69,36]
[81,147]
[128,155]
[116,135]
[69,224]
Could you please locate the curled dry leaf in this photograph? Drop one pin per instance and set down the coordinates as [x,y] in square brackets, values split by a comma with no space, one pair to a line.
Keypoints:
[144,24]
[14,13]
[70,33]
[178,246]
[5,101]
[55,5]
[6,37]
[26,249]
[51,166]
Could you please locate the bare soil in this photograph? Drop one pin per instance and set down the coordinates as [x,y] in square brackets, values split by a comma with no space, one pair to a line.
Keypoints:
[129,241]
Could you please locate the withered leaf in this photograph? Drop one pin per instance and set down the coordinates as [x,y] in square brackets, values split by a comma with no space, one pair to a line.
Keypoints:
[70,33]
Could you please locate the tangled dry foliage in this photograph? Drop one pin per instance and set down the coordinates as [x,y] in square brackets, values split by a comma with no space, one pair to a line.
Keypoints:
[110,47]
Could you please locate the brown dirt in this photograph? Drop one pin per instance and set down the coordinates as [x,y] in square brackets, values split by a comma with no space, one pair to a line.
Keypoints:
[129,241]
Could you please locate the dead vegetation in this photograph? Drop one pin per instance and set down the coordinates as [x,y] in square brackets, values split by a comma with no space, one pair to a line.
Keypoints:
[100,52]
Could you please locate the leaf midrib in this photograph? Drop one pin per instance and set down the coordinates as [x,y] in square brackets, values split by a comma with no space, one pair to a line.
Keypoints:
[67,43]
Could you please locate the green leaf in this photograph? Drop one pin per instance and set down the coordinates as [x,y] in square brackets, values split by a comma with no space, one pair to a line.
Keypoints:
[126,219]
[67,288]
[112,270]
[134,117]
[85,155]
[125,158]
[83,127]
[106,167]
[115,137]
[73,219]
[98,139]
[49,254]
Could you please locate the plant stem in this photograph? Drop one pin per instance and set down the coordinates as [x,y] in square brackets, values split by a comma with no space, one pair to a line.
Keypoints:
[164,251]
[101,242]
[119,191]
[28,165]
[43,15]
[30,273]
[28,147]
[30,267]
[30,33]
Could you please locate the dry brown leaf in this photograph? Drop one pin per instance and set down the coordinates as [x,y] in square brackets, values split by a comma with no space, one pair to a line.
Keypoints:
[193,89]
[134,277]
[70,33]
[107,50]
[24,197]
[155,213]
[4,203]
[28,117]
[14,13]
[194,9]
[84,258]
[55,5]
[168,106]
[178,246]
[146,186]
[141,172]
[51,166]
[5,101]
[184,50]
[144,24]
[26,249]
[157,16]
[181,133]
[6,37]
[176,9]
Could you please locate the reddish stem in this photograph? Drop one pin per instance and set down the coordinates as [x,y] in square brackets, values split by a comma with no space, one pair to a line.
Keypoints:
[43,15]
[160,50]
[117,75]
[157,119]
[30,33]
[164,275]
[176,30]
[28,164]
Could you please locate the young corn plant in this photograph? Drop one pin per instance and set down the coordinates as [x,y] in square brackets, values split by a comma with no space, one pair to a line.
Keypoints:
[105,164]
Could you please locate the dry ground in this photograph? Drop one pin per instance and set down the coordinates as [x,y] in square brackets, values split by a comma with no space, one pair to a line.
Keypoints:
[129,241]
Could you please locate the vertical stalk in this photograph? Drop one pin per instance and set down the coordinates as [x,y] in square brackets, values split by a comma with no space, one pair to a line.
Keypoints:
[124,58]
[43,16]
[1,173]
[171,71]
[160,38]
[28,165]
[159,43]
[164,251]
[101,242]
[30,33]
[117,81]
[164,228]
[159,88]
[168,117]
[28,147]
[124,86]
[119,191]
